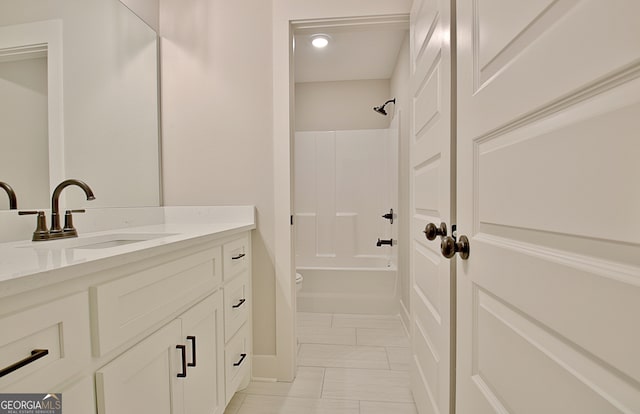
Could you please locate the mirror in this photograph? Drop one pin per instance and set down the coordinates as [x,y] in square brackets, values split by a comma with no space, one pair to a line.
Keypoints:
[78,99]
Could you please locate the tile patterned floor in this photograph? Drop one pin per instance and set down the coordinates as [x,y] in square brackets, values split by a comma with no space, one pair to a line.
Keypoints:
[347,364]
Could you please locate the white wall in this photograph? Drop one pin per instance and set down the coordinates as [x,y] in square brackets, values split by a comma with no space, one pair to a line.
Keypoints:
[217,124]
[400,89]
[330,106]
[23,119]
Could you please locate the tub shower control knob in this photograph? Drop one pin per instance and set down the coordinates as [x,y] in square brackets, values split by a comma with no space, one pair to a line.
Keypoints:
[449,247]
[389,216]
[431,231]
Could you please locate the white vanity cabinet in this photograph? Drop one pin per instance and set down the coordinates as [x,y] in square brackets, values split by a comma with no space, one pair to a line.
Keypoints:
[165,329]
[185,366]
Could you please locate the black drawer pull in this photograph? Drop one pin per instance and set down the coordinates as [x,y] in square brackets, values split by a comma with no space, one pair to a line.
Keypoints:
[183,348]
[239,303]
[193,350]
[35,355]
[242,357]
[240,256]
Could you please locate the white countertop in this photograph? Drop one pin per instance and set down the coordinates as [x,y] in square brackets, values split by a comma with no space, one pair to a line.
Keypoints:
[26,264]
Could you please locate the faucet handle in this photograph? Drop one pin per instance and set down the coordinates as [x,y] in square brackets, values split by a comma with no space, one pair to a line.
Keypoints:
[68,229]
[41,232]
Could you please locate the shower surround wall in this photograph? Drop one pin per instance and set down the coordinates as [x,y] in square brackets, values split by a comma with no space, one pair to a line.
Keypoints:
[344,182]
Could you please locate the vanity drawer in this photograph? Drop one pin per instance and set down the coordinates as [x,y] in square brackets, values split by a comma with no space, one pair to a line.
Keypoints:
[237,359]
[236,304]
[124,308]
[61,328]
[236,257]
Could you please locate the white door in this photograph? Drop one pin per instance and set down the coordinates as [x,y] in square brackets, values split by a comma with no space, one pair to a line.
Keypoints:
[432,307]
[548,171]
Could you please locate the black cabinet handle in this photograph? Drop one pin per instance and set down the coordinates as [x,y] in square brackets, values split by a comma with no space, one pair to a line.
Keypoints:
[193,350]
[183,348]
[239,303]
[240,256]
[35,355]
[242,357]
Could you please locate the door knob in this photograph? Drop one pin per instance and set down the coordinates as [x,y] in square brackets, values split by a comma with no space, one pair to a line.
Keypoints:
[431,231]
[449,247]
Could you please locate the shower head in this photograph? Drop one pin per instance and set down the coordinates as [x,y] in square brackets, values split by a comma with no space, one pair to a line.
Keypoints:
[380,109]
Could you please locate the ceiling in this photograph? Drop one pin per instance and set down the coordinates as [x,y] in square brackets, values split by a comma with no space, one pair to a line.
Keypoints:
[355,52]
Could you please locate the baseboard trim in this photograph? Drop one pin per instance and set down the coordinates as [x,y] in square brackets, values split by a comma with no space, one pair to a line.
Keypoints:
[405,318]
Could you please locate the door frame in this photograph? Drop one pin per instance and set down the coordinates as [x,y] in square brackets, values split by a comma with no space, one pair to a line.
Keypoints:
[286,15]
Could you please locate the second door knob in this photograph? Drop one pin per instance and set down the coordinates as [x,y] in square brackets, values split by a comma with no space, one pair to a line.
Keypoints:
[432,231]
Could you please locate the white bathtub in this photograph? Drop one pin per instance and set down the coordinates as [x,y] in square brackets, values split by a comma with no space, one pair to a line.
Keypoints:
[348,290]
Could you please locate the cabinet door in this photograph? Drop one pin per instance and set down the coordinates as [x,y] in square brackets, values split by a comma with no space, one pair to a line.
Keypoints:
[144,379]
[78,398]
[202,332]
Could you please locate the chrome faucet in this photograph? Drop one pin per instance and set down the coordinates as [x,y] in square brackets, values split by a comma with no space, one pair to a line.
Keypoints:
[56,231]
[13,201]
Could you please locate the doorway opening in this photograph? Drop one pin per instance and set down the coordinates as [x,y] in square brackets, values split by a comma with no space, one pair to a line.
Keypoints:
[349,191]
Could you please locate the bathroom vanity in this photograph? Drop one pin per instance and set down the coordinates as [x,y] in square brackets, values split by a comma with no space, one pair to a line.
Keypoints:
[147,319]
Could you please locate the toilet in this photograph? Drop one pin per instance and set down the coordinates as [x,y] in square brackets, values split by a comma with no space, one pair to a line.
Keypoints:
[299,279]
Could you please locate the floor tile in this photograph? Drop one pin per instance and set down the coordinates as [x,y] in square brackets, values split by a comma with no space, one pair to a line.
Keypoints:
[335,336]
[345,356]
[367,384]
[262,404]
[399,358]
[235,403]
[382,337]
[308,383]
[366,321]
[313,320]
[369,407]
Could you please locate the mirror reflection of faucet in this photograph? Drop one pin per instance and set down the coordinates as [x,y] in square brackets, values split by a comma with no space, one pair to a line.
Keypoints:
[56,232]
[13,201]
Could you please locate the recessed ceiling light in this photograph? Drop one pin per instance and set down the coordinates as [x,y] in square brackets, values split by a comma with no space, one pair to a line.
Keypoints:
[319,40]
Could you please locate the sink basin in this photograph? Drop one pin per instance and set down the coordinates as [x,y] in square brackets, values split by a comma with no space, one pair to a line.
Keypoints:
[115,240]
[106,244]
[99,242]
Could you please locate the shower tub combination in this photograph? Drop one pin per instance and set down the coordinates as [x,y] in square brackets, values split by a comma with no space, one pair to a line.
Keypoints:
[365,290]
[345,182]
